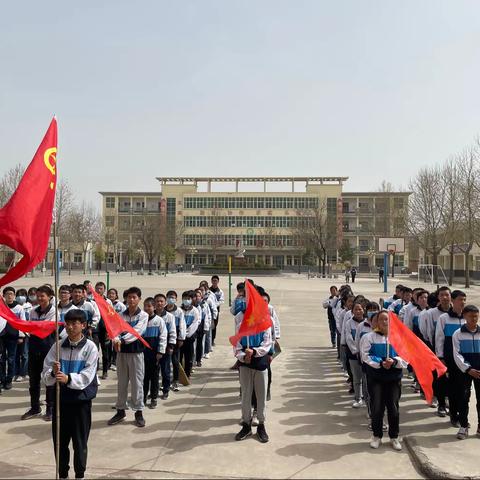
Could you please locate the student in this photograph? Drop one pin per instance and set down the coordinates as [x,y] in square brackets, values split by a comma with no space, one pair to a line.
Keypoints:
[130,361]
[405,298]
[395,296]
[76,373]
[352,352]
[156,335]
[418,305]
[32,296]
[21,358]
[181,331]
[65,304]
[80,301]
[252,354]
[119,307]
[166,359]
[276,331]
[38,349]
[447,325]
[10,339]
[192,321]
[329,304]
[384,371]
[220,300]
[101,332]
[466,352]
[239,303]
[201,302]
[346,314]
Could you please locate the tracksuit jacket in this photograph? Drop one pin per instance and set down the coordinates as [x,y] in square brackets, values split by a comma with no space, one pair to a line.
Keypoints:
[79,362]
[156,334]
[139,321]
[180,326]
[192,321]
[466,348]
[428,321]
[447,325]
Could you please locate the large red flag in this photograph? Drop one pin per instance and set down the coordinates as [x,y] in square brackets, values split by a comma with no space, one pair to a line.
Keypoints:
[26,219]
[256,318]
[416,353]
[40,328]
[114,323]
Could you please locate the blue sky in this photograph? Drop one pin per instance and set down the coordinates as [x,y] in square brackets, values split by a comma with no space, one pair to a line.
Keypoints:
[367,89]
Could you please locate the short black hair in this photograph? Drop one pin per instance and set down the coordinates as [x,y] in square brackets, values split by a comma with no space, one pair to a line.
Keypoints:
[8,289]
[470,309]
[75,314]
[160,295]
[372,306]
[172,293]
[80,286]
[32,290]
[149,300]
[399,287]
[86,282]
[134,291]
[65,288]
[100,284]
[265,294]
[458,293]
[444,288]
[240,286]
[45,289]
[22,291]
[188,294]
[215,277]
[407,290]
[113,290]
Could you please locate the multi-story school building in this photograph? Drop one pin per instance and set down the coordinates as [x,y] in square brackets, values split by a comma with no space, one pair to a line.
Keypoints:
[208,219]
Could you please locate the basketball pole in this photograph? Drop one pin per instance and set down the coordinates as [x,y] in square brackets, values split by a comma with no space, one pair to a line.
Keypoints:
[385,272]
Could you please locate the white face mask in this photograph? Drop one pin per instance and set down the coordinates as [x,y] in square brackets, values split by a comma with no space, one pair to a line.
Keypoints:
[21,299]
[32,298]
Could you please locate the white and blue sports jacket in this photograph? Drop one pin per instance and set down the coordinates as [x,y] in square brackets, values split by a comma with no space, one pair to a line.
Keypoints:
[466,348]
[350,335]
[180,326]
[138,321]
[411,319]
[447,325]
[169,320]
[428,322]
[79,362]
[192,321]
[91,310]
[156,334]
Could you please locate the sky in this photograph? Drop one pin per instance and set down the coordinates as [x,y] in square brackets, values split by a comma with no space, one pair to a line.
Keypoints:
[367,89]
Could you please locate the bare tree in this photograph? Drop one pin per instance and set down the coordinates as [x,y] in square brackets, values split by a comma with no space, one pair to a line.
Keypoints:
[385,187]
[9,182]
[311,232]
[426,221]
[151,238]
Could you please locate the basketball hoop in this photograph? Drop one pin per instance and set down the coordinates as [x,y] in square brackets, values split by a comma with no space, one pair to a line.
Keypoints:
[391,248]
[391,251]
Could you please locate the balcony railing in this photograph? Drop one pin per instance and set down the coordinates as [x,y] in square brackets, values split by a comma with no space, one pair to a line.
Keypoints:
[138,211]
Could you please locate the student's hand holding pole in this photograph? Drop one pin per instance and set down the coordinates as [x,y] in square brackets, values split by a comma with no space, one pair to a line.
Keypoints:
[388,363]
[248,355]
[56,367]
[117,344]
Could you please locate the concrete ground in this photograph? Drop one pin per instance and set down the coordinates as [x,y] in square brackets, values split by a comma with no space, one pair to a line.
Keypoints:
[314,432]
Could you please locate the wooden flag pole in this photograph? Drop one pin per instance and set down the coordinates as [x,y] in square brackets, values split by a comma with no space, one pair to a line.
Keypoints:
[57,352]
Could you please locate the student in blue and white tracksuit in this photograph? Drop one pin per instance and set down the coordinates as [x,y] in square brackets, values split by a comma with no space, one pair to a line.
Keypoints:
[156,336]
[388,301]
[411,318]
[76,373]
[466,352]
[119,307]
[220,301]
[447,325]
[181,333]
[79,300]
[239,303]
[352,352]
[384,370]
[201,301]
[192,322]
[130,361]
[329,303]
[252,354]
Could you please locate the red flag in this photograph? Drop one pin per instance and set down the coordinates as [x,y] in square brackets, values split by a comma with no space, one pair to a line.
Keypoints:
[39,328]
[26,219]
[256,318]
[114,323]
[416,353]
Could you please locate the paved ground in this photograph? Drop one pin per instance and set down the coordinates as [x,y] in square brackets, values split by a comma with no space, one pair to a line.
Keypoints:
[313,429]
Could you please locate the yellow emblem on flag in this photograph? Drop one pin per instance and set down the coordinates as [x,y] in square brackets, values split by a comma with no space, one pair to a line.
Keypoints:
[50,153]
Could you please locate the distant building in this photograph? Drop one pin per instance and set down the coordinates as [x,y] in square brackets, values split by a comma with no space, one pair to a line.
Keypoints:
[207,226]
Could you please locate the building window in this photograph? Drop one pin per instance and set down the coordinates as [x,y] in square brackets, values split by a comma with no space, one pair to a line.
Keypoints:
[110,202]
[109,221]
[398,203]
[77,257]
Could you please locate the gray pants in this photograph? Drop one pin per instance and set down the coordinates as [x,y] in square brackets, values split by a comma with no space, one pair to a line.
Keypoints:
[130,368]
[251,379]
[357,378]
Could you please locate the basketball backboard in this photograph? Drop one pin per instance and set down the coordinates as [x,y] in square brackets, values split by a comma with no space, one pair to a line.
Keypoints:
[391,244]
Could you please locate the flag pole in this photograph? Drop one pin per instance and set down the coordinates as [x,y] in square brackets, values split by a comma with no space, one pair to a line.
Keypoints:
[388,337]
[57,351]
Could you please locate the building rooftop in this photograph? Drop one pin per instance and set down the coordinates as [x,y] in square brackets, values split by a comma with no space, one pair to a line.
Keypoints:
[133,194]
[375,194]
[251,179]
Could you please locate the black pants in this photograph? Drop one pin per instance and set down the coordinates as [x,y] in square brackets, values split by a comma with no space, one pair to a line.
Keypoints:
[35,368]
[454,385]
[175,363]
[333,330]
[439,386]
[214,330]
[96,340]
[150,379]
[464,390]
[338,344]
[75,423]
[384,395]
[186,354]
[199,343]
[106,346]
[166,370]
[9,352]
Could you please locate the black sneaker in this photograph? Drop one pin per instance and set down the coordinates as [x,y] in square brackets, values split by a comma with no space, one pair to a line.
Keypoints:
[262,433]
[8,386]
[455,423]
[117,418]
[164,396]
[33,412]
[139,420]
[442,412]
[153,404]
[48,414]
[244,433]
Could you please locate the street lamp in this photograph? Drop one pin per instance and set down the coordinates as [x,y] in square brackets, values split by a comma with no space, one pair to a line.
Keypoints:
[239,254]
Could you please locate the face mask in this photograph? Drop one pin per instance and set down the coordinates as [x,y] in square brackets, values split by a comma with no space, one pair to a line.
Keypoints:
[171,300]
[186,302]
[21,299]
[32,298]
[371,314]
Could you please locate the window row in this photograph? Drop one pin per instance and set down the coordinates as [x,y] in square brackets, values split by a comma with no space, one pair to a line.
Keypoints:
[240,240]
[246,222]
[250,202]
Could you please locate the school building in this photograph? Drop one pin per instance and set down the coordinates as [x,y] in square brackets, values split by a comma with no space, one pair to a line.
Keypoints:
[261,217]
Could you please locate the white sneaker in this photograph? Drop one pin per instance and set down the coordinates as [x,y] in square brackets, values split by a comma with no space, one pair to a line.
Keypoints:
[113,368]
[396,445]
[207,355]
[98,381]
[434,403]
[255,421]
[19,378]
[357,404]
[375,442]
[462,433]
